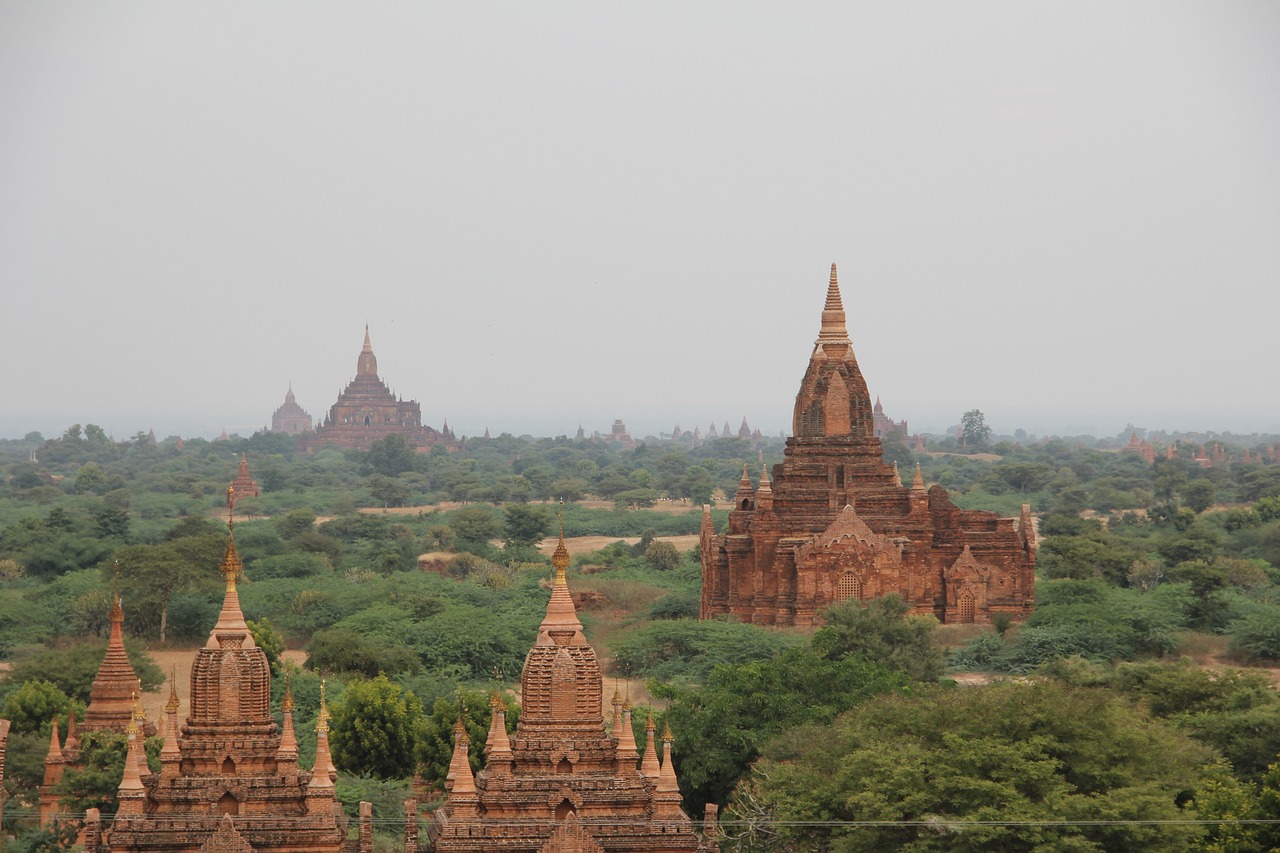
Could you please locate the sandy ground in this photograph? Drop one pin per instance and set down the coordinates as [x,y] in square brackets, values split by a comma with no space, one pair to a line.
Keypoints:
[668,506]
[582,544]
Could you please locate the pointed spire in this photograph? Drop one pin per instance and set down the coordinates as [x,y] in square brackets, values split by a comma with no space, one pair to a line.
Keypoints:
[231,618]
[368,345]
[170,753]
[498,746]
[615,728]
[287,752]
[323,768]
[460,765]
[764,494]
[73,739]
[627,752]
[917,484]
[131,790]
[833,319]
[561,614]
[667,782]
[897,477]
[55,744]
[649,764]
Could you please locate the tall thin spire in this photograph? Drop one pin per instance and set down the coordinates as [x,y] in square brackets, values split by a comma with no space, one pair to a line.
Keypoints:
[323,767]
[649,764]
[833,319]
[464,782]
[231,618]
[561,614]
[368,345]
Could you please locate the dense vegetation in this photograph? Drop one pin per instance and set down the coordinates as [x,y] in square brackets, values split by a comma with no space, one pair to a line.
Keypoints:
[1140,565]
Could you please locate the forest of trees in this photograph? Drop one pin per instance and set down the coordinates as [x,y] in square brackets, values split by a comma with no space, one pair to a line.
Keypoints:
[1134,710]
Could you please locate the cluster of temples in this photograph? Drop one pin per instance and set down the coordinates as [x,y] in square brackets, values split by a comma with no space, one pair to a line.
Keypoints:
[366,411]
[229,779]
[835,522]
[564,783]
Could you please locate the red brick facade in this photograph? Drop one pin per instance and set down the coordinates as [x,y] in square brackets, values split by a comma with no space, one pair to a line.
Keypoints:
[836,522]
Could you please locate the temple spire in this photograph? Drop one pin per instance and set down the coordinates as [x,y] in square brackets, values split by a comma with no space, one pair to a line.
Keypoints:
[833,319]
[287,752]
[649,764]
[561,614]
[367,363]
[231,618]
[55,745]
[323,767]
[131,792]
[464,782]
[497,746]
[917,484]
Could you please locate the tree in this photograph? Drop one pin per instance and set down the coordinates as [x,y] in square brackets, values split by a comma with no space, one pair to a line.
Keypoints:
[525,526]
[1199,494]
[269,640]
[475,527]
[373,729]
[155,573]
[973,426]
[34,705]
[662,556]
[435,732]
[988,769]
[72,667]
[91,479]
[720,728]
[390,456]
[882,632]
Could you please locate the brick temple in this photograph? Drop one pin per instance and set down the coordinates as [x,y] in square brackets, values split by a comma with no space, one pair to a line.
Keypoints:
[367,411]
[114,705]
[290,418]
[563,783]
[229,779]
[835,522]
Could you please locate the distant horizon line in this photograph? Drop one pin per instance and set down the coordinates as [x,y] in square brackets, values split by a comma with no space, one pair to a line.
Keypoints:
[1041,425]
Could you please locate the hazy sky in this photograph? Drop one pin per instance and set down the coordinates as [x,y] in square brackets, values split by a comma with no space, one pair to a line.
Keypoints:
[1064,214]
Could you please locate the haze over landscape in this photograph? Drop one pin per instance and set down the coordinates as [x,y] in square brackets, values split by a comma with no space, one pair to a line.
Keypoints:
[1065,215]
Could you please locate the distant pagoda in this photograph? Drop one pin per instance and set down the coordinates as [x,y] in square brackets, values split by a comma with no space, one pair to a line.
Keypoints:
[367,411]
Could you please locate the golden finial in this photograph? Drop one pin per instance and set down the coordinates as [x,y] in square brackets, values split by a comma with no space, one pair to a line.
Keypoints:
[650,725]
[171,706]
[560,559]
[497,703]
[138,714]
[231,565]
[117,611]
[666,731]
[286,703]
[460,732]
[322,719]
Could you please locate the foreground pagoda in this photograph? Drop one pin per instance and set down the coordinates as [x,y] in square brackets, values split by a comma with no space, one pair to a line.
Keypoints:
[229,779]
[563,784]
[114,704]
[836,523]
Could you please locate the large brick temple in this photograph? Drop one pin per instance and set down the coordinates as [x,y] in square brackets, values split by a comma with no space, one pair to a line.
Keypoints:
[229,779]
[562,783]
[836,523]
[367,411]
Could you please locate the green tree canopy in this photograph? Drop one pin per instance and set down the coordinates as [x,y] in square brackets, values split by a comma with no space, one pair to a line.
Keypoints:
[1011,752]
[372,731]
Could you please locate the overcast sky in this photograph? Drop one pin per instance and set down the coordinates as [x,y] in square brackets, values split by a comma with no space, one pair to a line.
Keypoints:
[1064,214]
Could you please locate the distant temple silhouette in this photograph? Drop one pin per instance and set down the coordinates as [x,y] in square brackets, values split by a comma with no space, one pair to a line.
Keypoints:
[367,411]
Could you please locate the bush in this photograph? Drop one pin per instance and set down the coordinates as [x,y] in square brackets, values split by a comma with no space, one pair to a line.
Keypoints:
[1255,635]
[690,650]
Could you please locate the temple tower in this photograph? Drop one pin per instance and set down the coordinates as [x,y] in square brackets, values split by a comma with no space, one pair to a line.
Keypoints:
[562,782]
[368,411]
[290,417]
[836,523]
[227,774]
